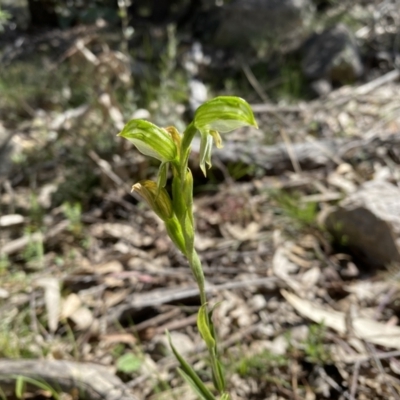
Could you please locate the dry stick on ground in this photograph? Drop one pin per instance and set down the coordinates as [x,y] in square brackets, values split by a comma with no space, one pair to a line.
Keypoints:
[354,380]
[335,98]
[384,375]
[310,155]
[94,381]
[107,170]
[167,295]
[291,153]
[18,244]
[254,82]
[257,87]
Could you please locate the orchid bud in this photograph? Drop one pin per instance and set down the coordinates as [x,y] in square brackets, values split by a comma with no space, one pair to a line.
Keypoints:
[157,198]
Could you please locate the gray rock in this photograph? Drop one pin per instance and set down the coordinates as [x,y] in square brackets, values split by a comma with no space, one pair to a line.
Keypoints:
[368,221]
[243,23]
[333,55]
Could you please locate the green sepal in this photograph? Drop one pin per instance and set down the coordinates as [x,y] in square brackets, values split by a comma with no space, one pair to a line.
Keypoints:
[150,139]
[190,373]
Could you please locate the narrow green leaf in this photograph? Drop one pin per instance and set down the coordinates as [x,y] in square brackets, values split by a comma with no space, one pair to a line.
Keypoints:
[19,387]
[220,378]
[191,383]
[225,396]
[2,394]
[188,370]
[218,374]
[22,380]
[204,327]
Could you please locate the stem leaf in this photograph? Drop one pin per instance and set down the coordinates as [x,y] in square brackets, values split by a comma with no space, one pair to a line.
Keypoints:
[204,327]
[193,385]
[194,381]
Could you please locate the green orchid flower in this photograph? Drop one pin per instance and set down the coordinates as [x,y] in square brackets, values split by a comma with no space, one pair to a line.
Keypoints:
[220,115]
[151,140]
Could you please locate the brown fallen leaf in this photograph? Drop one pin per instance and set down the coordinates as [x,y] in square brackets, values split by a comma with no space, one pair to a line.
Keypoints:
[364,328]
[115,338]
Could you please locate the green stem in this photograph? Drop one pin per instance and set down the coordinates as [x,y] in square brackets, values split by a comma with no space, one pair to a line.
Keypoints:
[183,205]
[188,136]
[197,270]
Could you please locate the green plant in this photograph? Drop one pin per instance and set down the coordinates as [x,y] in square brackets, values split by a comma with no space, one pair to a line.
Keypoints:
[33,253]
[304,213]
[4,17]
[129,363]
[314,348]
[20,384]
[73,212]
[221,114]
[4,263]
[260,364]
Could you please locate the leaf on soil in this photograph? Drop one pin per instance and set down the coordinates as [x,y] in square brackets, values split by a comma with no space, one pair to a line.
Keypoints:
[52,300]
[366,329]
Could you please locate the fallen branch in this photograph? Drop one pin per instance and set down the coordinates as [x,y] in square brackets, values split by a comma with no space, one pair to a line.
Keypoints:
[18,244]
[157,297]
[93,381]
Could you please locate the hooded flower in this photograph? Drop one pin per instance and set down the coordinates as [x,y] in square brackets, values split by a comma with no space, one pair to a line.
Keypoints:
[220,115]
[150,140]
